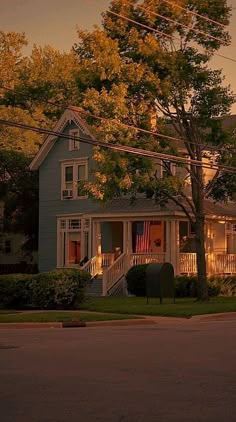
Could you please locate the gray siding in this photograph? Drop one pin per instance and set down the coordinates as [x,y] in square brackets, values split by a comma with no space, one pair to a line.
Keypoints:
[50,204]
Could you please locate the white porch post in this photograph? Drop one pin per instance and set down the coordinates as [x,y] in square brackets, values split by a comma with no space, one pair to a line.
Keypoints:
[127,241]
[168,242]
[174,251]
[97,244]
[209,249]
[94,238]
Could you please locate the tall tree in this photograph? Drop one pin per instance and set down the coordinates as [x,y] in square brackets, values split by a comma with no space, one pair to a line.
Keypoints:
[19,191]
[129,71]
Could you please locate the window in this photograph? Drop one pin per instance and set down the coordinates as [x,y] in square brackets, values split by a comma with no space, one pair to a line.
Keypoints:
[73,176]
[74,144]
[5,246]
[167,168]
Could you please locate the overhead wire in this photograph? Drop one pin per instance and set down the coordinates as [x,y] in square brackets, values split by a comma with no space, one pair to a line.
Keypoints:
[130,126]
[198,31]
[110,120]
[173,37]
[194,13]
[118,147]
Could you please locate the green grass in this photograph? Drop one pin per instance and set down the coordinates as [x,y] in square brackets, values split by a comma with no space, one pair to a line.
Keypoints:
[118,308]
[56,316]
[186,307]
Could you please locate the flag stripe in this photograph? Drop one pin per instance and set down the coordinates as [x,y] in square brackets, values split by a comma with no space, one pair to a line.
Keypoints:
[143,238]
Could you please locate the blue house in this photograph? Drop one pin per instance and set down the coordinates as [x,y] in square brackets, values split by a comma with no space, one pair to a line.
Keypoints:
[76,231]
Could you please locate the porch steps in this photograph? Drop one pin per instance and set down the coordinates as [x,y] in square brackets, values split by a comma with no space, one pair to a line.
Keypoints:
[94,287]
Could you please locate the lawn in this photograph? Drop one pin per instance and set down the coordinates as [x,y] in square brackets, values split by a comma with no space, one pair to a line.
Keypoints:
[57,316]
[186,307]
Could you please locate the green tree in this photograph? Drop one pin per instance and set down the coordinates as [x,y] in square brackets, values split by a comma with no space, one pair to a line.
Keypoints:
[129,72]
[19,191]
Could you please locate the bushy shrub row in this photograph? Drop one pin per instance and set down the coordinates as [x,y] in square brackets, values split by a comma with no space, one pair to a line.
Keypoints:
[58,289]
[185,286]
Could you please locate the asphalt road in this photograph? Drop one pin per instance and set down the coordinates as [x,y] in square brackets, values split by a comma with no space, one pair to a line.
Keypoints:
[170,371]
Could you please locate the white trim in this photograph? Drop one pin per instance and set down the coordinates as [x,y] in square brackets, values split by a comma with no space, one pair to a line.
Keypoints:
[74,164]
[68,116]
[74,144]
[72,160]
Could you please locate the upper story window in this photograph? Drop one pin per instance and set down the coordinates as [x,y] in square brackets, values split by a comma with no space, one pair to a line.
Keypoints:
[167,168]
[74,143]
[74,173]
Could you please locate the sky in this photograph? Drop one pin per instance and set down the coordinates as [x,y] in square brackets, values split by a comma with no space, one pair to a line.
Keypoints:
[54,22]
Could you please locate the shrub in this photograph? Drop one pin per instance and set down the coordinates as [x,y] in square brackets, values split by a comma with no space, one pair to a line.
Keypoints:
[14,290]
[136,280]
[59,289]
[185,286]
[225,285]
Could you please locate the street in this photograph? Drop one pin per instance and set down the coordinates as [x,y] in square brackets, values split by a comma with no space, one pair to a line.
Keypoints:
[170,371]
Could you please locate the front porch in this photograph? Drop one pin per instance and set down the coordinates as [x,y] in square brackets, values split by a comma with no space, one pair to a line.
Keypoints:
[111,246]
[112,270]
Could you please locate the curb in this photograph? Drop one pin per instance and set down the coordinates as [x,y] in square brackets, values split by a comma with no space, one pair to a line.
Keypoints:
[79,324]
[120,323]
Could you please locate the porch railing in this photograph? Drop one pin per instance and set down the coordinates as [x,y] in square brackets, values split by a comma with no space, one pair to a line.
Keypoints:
[146,258]
[225,264]
[92,266]
[187,263]
[216,263]
[107,259]
[114,273]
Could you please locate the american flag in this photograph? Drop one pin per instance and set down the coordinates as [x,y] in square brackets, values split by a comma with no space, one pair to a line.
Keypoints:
[142,236]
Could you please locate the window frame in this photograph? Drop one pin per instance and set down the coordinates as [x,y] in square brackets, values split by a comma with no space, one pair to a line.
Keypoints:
[74,144]
[75,165]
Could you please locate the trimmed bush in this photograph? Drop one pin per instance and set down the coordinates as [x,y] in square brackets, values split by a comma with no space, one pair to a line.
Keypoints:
[185,286]
[136,280]
[59,289]
[14,290]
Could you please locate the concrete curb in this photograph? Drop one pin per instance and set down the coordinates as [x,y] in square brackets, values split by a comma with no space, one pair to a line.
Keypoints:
[143,320]
[121,322]
[33,325]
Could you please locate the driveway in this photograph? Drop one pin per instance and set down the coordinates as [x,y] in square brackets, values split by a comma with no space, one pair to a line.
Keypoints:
[174,370]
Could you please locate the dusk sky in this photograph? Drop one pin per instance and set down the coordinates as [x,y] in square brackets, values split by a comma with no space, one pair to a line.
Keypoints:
[54,22]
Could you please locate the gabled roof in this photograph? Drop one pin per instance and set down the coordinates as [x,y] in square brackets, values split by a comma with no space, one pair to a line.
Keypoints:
[71,114]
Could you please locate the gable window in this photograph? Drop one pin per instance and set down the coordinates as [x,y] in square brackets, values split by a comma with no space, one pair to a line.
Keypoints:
[73,176]
[74,143]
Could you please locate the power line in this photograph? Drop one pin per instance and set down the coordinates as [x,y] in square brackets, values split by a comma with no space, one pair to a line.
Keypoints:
[88,114]
[118,147]
[180,24]
[156,30]
[143,25]
[191,12]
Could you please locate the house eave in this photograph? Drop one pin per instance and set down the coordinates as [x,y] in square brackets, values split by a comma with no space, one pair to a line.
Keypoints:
[71,114]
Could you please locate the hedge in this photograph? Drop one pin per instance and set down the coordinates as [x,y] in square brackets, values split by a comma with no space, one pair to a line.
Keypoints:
[58,289]
[185,286]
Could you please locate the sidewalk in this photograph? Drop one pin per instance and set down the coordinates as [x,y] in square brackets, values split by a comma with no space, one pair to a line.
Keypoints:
[143,320]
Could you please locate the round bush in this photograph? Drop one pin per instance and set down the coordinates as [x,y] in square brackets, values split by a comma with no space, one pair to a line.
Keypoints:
[136,280]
